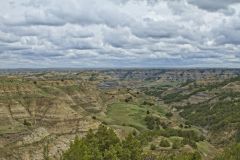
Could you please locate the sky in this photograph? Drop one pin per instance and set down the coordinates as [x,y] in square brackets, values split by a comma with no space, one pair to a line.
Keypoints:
[119,33]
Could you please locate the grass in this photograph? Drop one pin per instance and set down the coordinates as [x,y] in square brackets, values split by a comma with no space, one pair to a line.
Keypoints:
[123,131]
[126,114]
[131,115]
[207,150]
[175,138]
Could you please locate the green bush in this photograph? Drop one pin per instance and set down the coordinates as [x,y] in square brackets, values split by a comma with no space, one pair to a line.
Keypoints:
[153,147]
[164,143]
[177,143]
[189,142]
[104,145]
[169,114]
[152,122]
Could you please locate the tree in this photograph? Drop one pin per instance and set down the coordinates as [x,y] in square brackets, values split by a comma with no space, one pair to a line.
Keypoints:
[104,145]
[112,153]
[152,122]
[132,145]
[105,138]
[79,150]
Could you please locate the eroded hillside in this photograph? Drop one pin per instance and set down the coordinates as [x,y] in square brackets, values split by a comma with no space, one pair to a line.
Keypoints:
[41,112]
[39,109]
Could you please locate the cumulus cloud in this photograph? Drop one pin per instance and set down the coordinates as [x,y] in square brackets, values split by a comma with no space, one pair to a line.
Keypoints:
[119,33]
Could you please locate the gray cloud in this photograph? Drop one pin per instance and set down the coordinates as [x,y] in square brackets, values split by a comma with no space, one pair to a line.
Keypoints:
[211,5]
[119,33]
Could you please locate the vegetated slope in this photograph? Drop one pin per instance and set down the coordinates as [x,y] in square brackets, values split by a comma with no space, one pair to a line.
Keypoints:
[212,106]
[138,111]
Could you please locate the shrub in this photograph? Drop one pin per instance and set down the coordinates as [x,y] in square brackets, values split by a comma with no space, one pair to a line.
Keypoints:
[176,144]
[169,114]
[134,132]
[26,123]
[148,103]
[104,122]
[164,143]
[189,142]
[128,99]
[150,122]
[153,147]
[164,125]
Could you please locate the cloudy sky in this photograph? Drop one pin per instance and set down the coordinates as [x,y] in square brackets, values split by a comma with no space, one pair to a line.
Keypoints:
[119,33]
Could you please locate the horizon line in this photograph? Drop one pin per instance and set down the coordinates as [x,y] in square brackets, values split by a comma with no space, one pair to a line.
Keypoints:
[113,68]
